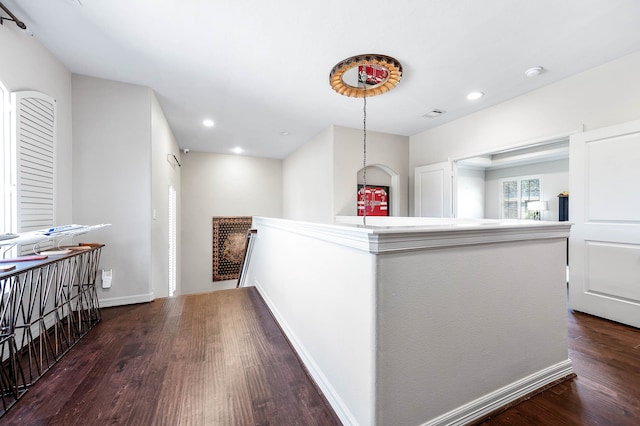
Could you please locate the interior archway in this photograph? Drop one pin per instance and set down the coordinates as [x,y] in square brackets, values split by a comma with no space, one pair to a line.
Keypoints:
[381,175]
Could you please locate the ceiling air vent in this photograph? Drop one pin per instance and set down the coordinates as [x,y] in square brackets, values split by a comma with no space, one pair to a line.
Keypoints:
[434,113]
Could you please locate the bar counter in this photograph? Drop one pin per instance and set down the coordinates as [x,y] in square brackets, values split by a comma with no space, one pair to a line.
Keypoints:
[46,307]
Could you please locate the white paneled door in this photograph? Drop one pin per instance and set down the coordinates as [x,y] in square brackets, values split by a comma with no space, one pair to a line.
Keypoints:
[433,190]
[604,247]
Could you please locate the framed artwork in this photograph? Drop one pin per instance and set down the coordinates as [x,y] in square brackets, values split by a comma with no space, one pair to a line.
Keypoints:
[376,74]
[229,244]
[375,200]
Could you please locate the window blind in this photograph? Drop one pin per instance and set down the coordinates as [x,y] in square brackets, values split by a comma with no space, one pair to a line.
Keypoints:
[5,161]
[34,130]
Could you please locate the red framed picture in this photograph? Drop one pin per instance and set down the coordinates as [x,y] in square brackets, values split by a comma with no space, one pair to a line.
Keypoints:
[376,74]
[375,199]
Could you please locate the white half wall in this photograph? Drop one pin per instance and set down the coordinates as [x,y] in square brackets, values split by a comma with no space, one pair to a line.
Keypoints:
[319,289]
[419,322]
[458,324]
[221,185]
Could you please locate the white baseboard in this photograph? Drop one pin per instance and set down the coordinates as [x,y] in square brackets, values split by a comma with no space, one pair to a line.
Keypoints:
[127,300]
[338,405]
[481,407]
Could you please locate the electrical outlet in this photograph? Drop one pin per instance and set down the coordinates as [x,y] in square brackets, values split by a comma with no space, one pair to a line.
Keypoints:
[107,275]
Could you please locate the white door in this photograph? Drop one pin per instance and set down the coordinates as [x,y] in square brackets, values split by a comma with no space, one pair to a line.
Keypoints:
[172,241]
[433,190]
[604,197]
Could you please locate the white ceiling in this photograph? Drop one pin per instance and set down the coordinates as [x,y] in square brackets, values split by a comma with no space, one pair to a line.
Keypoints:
[259,68]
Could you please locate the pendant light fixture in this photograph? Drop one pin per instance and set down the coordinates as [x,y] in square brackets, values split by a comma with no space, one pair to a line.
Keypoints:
[364,76]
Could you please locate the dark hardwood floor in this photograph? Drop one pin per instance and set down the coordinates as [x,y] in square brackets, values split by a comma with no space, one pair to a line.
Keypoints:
[220,359]
[606,391]
[209,359]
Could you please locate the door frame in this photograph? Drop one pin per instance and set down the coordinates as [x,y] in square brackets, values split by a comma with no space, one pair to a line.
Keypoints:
[547,140]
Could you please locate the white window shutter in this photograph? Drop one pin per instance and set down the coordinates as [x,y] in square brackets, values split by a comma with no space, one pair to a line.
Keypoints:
[5,162]
[34,132]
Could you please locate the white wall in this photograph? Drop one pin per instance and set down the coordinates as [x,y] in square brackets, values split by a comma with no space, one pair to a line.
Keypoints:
[163,174]
[321,178]
[375,176]
[470,197]
[555,179]
[27,65]
[602,96]
[103,162]
[307,179]
[112,180]
[458,329]
[383,149]
[221,185]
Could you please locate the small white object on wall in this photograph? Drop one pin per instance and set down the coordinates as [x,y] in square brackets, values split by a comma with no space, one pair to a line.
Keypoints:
[107,275]
[173,160]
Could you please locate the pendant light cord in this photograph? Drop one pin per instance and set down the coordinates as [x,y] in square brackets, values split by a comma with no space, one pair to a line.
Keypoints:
[364,149]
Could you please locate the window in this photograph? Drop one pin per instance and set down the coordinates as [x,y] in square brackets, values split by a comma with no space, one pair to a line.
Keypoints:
[28,134]
[5,161]
[515,195]
[35,133]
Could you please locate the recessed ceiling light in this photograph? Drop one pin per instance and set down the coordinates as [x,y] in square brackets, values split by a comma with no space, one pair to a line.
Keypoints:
[237,150]
[533,71]
[474,95]
[207,122]
[284,133]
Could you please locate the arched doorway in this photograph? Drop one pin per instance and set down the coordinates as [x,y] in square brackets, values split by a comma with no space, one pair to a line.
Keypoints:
[381,175]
